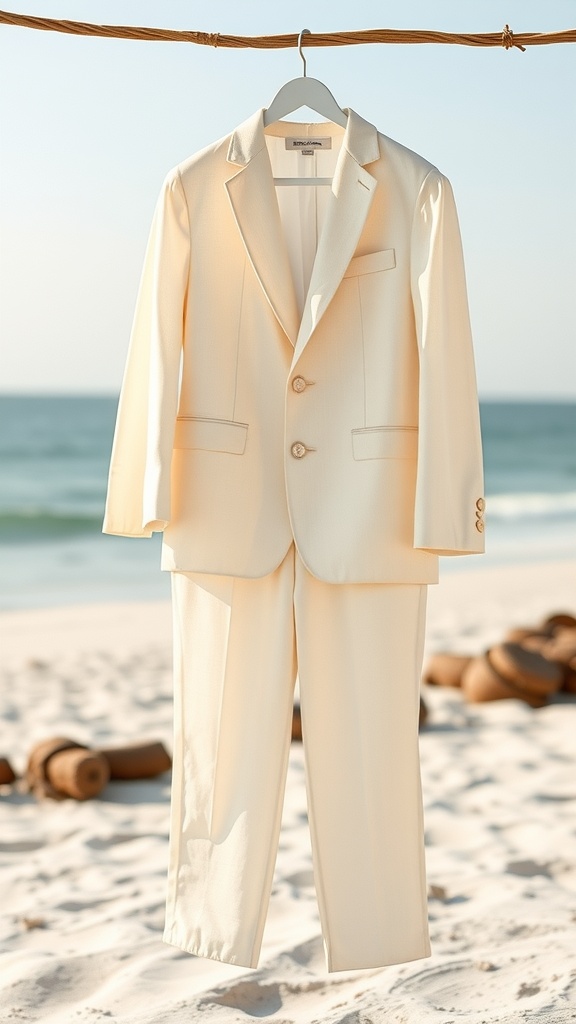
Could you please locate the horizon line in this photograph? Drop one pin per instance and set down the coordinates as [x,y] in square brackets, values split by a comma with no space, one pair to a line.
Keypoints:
[483,397]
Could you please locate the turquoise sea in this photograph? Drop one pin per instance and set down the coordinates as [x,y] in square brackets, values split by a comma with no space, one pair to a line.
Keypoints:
[54,454]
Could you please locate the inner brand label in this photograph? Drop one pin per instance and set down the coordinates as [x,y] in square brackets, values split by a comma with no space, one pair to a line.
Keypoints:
[309,145]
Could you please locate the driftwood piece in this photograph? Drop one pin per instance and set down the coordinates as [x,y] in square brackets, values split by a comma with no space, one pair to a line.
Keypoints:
[60,767]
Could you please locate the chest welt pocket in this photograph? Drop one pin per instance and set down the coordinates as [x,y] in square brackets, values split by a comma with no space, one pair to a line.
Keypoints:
[210,435]
[385,443]
[371,263]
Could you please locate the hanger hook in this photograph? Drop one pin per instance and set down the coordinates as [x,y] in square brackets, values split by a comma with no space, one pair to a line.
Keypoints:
[304,32]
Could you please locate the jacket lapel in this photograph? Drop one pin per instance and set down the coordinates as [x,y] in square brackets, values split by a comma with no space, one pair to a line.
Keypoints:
[253,198]
[352,193]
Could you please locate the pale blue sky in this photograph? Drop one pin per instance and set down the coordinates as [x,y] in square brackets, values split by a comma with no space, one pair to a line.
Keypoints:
[89,128]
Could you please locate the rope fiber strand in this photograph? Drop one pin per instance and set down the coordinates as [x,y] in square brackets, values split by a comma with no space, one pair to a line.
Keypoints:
[505,38]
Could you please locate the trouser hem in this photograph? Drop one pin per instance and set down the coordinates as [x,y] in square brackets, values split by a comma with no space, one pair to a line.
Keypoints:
[196,949]
[334,967]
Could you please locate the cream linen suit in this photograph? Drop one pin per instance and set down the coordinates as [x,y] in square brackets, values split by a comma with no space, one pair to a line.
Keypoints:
[299,417]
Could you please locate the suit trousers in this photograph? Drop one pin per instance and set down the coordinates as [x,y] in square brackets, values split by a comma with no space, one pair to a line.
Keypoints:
[357,650]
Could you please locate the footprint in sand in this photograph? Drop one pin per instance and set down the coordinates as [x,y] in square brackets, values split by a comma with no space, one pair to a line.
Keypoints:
[468,988]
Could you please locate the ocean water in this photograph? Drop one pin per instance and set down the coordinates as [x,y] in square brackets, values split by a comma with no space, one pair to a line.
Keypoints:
[54,454]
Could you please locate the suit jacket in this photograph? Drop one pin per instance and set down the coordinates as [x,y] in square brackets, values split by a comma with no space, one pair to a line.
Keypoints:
[301,365]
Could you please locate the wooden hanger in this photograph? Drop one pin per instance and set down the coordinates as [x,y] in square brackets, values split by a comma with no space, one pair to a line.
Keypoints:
[304,92]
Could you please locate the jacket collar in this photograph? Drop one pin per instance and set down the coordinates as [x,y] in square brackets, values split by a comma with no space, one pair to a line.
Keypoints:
[253,198]
[360,139]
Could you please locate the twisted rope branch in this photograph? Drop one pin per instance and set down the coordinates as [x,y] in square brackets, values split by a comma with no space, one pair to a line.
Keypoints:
[505,38]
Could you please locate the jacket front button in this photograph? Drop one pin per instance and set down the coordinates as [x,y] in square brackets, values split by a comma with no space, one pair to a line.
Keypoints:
[298,450]
[298,384]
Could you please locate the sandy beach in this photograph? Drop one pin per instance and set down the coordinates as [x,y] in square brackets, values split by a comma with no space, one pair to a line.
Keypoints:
[83,883]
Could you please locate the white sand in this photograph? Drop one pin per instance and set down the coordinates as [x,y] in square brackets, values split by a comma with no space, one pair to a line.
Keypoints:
[83,883]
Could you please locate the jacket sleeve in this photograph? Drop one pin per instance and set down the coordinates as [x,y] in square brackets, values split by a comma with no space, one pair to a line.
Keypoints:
[138,500]
[449,487]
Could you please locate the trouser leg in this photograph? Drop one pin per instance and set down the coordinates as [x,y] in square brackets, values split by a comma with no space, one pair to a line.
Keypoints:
[359,651]
[234,674]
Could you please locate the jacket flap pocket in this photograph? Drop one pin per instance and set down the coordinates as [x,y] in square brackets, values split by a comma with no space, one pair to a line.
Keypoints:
[385,443]
[210,435]
[371,263]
